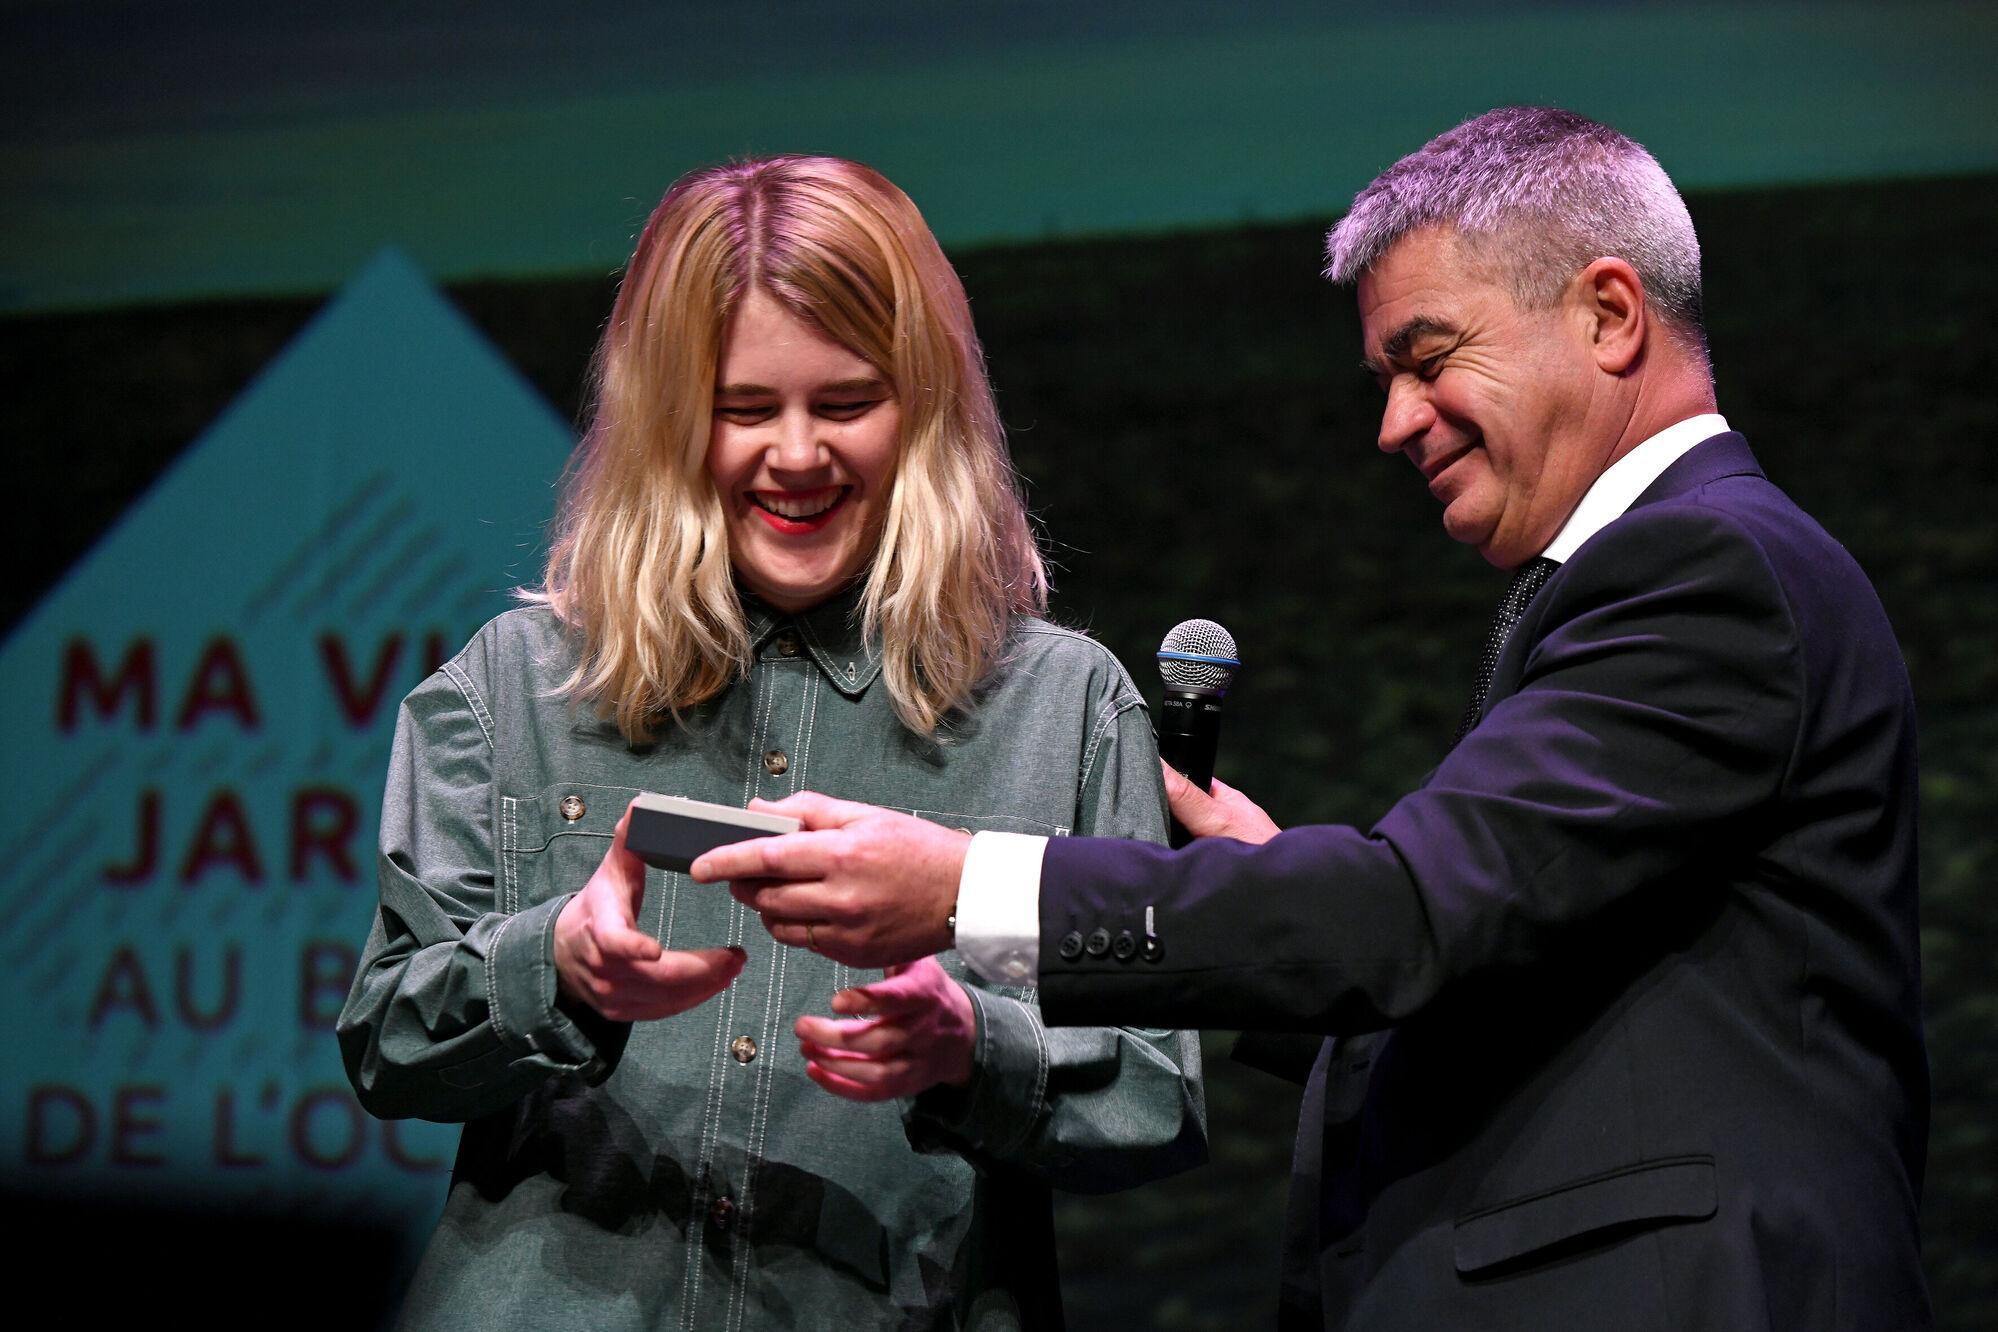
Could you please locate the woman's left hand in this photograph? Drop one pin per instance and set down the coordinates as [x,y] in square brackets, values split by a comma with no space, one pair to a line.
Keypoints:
[907,1033]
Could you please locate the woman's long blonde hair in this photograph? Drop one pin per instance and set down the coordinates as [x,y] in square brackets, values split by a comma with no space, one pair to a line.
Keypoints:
[639,563]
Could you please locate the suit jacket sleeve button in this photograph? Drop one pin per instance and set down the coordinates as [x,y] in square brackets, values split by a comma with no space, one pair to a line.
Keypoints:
[1153,950]
[1070,947]
[1099,942]
[1125,946]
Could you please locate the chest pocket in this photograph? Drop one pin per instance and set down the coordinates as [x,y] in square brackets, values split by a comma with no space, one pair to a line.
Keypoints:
[552,842]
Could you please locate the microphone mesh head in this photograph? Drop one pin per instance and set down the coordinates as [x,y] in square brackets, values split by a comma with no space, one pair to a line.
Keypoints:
[1199,638]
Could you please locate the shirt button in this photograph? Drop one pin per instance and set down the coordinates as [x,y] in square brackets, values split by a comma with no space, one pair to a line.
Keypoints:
[787,645]
[722,1212]
[1016,967]
[1070,946]
[573,807]
[1125,946]
[743,1048]
[1099,942]
[776,762]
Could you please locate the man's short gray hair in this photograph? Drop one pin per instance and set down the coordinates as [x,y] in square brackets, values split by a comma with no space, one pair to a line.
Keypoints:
[1539,194]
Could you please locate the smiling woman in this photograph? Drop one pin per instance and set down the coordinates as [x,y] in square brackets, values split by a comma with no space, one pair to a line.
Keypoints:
[790,555]
[763,296]
[803,452]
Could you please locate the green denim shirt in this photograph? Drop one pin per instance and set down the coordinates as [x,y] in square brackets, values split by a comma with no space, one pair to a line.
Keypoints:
[685,1173]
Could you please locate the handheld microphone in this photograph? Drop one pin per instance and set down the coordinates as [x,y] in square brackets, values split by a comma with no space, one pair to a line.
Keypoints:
[1197,661]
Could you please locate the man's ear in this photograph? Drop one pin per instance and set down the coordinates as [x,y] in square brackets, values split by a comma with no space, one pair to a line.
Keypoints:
[1617,315]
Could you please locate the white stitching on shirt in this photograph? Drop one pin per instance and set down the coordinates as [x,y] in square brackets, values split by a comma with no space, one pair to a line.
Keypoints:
[1046,1056]
[510,858]
[741,1254]
[492,978]
[808,718]
[1113,708]
[473,700]
[760,712]
[697,1218]
[673,881]
[759,1124]
[760,722]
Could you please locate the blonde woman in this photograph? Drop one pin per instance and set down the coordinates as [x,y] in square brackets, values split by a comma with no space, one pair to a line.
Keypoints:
[790,555]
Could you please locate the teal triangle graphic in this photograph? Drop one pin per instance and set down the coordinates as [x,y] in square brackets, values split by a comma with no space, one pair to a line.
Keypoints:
[197,721]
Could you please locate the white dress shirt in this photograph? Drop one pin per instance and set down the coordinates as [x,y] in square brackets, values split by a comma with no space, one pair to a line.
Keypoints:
[999,892]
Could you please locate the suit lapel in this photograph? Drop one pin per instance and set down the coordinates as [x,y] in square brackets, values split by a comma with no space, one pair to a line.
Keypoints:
[1710,460]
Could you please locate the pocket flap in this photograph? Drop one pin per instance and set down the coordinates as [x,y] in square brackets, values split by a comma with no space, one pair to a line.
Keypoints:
[1681,1189]
[565,809]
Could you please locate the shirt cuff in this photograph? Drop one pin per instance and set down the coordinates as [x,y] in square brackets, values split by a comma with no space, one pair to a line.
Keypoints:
[999,907]
[525,1006]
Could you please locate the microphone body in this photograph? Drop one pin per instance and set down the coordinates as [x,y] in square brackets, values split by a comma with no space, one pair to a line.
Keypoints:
[1197,661]
[1189,733]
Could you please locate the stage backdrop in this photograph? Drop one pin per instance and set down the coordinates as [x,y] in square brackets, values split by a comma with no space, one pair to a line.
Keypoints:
[198,720]
[246,520]
[1196,437]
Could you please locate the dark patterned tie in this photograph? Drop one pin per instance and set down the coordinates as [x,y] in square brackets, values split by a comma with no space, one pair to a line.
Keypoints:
[1526,580]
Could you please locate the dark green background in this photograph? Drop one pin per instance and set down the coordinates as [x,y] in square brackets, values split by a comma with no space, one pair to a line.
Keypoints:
[154,150]
[1197,439]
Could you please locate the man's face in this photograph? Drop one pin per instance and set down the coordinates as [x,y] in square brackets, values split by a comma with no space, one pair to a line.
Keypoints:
[1489,401]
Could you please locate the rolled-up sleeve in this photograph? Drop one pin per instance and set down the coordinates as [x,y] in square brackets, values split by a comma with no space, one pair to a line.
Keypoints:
[453,1011]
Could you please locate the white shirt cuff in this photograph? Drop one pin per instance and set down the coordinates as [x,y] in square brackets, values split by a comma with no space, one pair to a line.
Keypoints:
[999,907]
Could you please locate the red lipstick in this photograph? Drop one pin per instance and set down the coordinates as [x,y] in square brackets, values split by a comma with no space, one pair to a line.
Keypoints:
[802,512]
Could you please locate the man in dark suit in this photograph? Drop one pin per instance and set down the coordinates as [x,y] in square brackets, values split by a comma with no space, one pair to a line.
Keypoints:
[1625,996]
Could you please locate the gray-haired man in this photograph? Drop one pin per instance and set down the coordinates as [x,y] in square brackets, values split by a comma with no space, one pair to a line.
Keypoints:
[1624,999]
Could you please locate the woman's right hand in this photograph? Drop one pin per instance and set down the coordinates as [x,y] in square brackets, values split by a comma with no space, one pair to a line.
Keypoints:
[604,960]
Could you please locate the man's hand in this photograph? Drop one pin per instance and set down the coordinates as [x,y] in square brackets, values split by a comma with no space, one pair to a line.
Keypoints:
[604,960]
[1226,813]
[911,1032]
[860,885]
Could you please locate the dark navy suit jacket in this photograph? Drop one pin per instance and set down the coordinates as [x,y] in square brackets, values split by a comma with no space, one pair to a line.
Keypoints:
[1628,988]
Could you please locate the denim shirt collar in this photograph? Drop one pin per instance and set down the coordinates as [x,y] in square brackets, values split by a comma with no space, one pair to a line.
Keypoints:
[829,633]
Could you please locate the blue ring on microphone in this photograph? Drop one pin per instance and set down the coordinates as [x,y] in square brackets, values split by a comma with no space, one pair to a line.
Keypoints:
[1163,655]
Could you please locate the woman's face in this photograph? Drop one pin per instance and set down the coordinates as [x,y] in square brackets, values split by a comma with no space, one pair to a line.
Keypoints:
[803,451]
